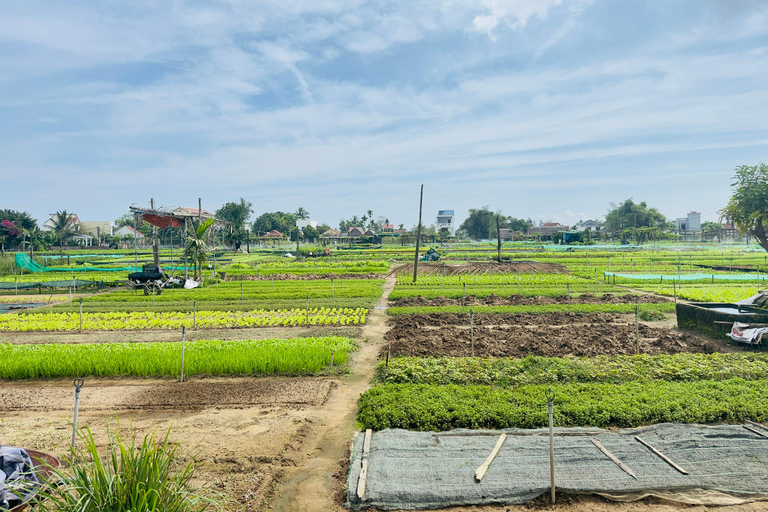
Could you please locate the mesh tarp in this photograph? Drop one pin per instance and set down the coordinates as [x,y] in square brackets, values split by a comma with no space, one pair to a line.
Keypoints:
[69,283]
[23,261]
[690,277]
[421,470]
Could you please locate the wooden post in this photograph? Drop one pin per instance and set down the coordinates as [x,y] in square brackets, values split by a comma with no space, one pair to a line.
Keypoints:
[194,315]
[463,297]
[155,240]
[551,414]
[498,237]
[81,314]
[637,331]
[472,332]
[674,291]
[307,311]
[418,237]
[183,340]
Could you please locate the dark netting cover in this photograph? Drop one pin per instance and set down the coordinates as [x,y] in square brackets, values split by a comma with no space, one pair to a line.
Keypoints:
[422,470]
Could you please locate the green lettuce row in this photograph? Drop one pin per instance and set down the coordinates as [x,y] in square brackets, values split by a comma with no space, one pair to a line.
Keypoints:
[426,407]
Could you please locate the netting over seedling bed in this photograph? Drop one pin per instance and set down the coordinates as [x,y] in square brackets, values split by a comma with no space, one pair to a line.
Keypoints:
[490,267]
[421,470]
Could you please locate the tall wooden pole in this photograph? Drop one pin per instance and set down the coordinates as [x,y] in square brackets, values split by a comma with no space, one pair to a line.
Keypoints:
[498,237]
[155,241]
[418,237]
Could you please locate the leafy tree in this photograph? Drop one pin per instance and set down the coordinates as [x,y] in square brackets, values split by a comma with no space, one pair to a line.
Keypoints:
[478,224]
[145,228]
[748,206]
[710,230]
[15,227]
[282,222]
[310,233]
[301,213]
[322,228]
[197,247]
[63,226]
[344,225]
[236,215]
[631,215]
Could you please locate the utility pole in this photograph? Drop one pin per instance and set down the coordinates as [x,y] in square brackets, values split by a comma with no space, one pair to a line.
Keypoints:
[418,237]
[155,241]
[498,238]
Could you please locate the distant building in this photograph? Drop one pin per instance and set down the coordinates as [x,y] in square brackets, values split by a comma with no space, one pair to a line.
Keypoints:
[547,229]
[331,233]
[302,223]
[446,221]
[586,224]
[128,231]
[388,228]
[692,222]
[273,234]
[355,232]
[192,212]
[97,228]
[50,224]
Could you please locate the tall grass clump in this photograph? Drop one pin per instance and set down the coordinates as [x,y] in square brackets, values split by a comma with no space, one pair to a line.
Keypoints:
[126,478]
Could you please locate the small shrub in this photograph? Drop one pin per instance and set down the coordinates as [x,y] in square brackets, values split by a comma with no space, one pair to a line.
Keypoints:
[649,315]
[126,478]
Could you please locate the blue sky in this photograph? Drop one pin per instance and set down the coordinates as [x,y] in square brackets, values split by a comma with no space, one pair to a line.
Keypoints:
[548,109]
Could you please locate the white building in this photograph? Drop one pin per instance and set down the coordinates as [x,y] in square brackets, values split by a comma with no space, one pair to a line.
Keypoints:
[692,222]
[446,220]
[302,223]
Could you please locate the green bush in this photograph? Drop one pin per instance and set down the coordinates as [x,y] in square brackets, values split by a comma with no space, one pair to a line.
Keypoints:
[649,315]
[630,404]
[511,372]
[126,478]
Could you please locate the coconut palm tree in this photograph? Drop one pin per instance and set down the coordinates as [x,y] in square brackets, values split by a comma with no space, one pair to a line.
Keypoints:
[301,213]
[63,225]
[196,246]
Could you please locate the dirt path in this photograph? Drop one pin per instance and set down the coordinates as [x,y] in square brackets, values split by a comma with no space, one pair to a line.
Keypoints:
[311,484]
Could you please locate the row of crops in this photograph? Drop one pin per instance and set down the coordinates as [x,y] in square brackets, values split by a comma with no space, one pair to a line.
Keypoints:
[297,356]
[130,321]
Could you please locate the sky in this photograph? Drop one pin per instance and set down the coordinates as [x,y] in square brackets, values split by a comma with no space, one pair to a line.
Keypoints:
[543,109]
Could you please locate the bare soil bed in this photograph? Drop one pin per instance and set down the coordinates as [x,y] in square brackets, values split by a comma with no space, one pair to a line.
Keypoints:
[244,433]
[521,300]
[544,319]
[521,341]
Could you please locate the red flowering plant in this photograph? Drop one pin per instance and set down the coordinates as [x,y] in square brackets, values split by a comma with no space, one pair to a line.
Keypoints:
[9,228]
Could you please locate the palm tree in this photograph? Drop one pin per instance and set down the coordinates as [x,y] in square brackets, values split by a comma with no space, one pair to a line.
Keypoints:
[301,213]
[364,218]
[370,214]
[63,225]
[197,248]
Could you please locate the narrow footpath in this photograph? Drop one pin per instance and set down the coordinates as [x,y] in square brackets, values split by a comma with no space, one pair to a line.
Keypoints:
[311,485]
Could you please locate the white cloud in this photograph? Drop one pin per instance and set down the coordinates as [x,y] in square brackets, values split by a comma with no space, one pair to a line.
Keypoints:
[513,13]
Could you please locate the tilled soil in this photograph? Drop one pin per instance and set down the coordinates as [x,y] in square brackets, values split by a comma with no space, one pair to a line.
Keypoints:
[521,300]
[145,394]
[550,319]
[521,341]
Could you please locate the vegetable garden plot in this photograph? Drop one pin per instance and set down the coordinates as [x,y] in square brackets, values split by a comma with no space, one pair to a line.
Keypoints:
[297,356]
[175,320]
[520,341]
[410,470]
[532,319]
